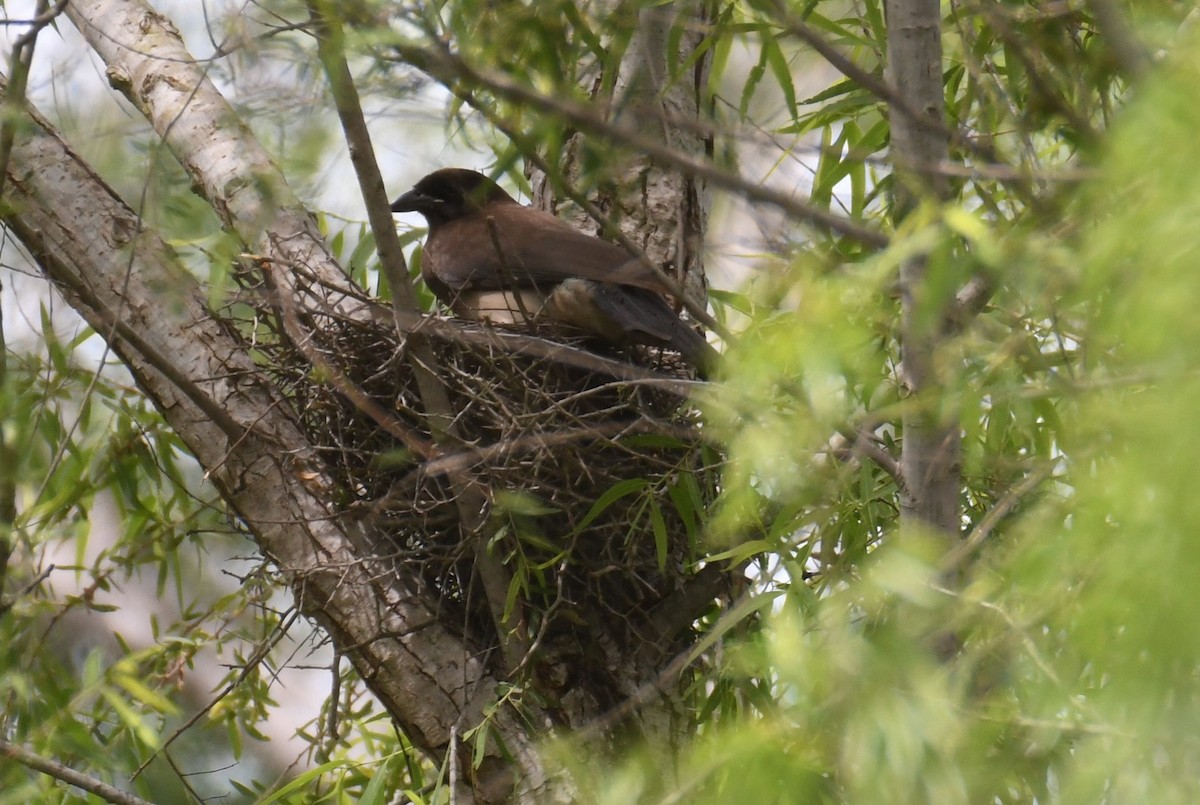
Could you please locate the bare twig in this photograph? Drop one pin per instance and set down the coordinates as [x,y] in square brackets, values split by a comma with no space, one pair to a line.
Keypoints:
[302,340]
[518,343]
[457,462]
[5,606]
[68,775]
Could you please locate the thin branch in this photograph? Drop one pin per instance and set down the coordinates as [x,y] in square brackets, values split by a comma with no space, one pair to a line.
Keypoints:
[6,605]
[863,445]
[449,69]
[69,776]
[19,63]
[255,660]
[969,302]
[471,496]
[987,524]
[302,340]
[465,459]
[473,334]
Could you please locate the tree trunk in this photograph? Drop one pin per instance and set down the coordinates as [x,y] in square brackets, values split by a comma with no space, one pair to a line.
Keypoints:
[930,462]
[662,212]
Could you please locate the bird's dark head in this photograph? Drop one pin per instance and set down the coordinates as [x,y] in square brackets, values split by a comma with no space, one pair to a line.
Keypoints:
[450,193]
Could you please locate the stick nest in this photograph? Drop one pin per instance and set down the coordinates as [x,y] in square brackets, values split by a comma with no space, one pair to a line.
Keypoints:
[594,486]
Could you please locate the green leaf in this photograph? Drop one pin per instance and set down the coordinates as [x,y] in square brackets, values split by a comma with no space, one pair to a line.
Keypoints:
[611,496]
[751,84]
[376,792]
[782,72]
[132,719]
[659,528]
[304,781]
[845,108]
[733,618]
[139,691]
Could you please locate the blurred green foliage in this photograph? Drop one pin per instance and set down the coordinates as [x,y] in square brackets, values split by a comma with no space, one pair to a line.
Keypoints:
[1076,677]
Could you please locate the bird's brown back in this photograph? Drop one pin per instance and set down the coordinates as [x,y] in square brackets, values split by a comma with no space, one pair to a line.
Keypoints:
[507,245]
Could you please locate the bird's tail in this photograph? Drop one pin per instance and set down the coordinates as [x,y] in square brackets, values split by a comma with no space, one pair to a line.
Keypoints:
[694,348]
[639,316]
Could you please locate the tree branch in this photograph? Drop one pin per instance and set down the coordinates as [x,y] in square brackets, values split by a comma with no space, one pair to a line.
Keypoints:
[987,524]
[69,776]
[930,452]
[449,69]
[471,497]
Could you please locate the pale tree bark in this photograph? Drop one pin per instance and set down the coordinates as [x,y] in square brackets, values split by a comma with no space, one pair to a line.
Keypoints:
[662,212]
[930,462]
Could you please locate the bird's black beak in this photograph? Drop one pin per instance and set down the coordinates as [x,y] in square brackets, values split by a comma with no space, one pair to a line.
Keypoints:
[412,201]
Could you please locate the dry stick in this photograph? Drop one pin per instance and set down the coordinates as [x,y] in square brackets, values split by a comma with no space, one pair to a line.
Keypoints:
[459,332]
[68,775]
[471,497]
[395,426]
[461,461]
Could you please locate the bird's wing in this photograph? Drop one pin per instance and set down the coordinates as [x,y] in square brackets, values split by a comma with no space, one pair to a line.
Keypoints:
[621,314]
[511,246]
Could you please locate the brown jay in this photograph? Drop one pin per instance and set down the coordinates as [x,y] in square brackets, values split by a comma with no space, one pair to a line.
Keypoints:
[490,258]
